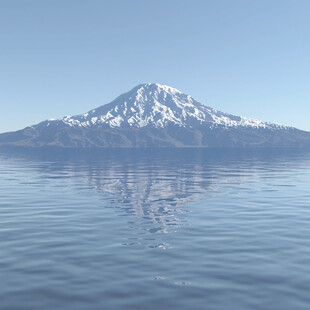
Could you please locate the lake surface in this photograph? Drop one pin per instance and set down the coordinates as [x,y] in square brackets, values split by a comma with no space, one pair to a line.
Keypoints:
[147,229]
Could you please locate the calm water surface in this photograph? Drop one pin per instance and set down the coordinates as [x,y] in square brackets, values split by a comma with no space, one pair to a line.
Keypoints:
[165,229]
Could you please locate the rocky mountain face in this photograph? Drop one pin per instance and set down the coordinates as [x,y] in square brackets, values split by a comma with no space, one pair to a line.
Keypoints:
[154,115]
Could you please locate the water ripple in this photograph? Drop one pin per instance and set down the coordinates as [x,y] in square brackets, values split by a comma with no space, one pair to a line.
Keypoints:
[143,229]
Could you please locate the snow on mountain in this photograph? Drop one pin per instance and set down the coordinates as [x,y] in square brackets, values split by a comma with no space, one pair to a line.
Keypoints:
[157,106]
[154,115]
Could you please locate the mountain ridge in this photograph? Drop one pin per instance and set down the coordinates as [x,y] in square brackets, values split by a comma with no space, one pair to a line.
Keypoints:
[156,115]
[157,96]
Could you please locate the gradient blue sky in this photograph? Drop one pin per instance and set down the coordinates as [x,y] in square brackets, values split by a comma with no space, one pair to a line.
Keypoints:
[65,57]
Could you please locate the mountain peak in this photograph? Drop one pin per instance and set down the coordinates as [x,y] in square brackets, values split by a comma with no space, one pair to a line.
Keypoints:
[158,87]
[156,105]
[156,115]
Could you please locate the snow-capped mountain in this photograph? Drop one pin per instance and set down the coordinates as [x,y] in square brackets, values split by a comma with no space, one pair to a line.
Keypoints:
[158,106]
[154,115]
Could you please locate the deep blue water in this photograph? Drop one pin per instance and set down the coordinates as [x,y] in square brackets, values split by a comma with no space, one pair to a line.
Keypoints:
[165,229]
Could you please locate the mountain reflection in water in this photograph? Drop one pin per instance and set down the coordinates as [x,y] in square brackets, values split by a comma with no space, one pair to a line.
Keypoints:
[154,184]
[154,228]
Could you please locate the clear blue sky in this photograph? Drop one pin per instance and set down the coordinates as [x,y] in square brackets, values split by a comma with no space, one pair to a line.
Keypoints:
[65,57]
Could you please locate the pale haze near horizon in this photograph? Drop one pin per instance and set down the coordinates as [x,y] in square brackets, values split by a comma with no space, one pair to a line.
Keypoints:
[248,58]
